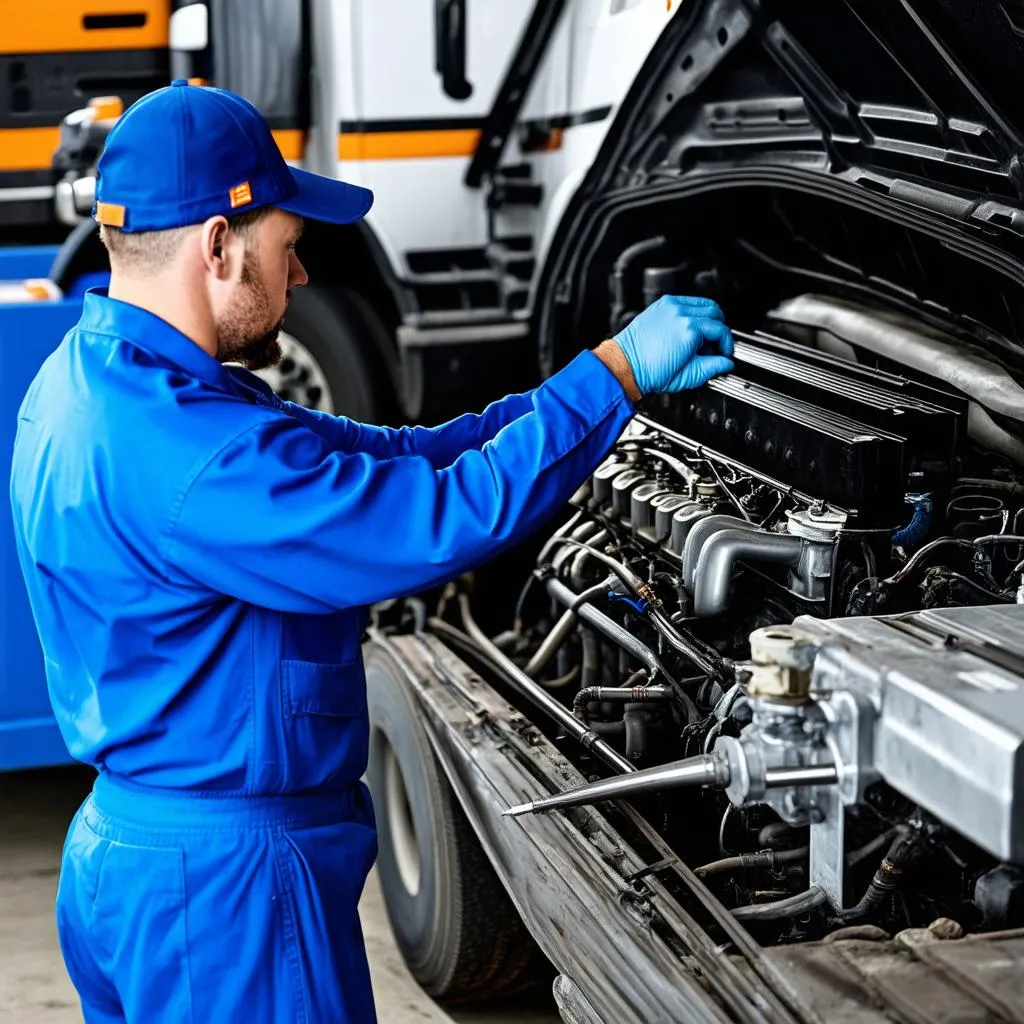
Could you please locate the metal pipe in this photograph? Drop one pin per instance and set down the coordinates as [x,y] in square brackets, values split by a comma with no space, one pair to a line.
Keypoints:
[701,770]
[698,536]
[558,635]
[580,559]
[790,907]
[811,775]
[627,693]
[535,693]
[718,558]
[609,627]
[706,658]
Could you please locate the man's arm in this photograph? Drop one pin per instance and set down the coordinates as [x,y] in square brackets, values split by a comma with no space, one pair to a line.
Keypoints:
[278,518]
[440,445]
[443,444]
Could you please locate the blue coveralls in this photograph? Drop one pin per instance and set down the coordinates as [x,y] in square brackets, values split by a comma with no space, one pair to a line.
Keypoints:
[200,557]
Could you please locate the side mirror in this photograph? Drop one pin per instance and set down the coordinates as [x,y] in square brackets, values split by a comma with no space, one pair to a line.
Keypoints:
[450,47]
[82,135]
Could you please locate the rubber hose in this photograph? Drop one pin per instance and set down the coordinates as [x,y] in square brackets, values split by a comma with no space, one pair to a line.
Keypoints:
[763,859]
[779,909]
[917,529]
[636,731]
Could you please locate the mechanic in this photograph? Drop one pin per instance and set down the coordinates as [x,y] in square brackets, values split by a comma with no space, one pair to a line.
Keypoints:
[200,557]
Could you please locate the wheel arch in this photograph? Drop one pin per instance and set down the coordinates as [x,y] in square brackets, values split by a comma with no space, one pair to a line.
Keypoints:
[351,255]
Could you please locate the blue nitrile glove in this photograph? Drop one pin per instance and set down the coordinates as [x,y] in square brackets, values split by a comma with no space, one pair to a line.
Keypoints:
[676,343]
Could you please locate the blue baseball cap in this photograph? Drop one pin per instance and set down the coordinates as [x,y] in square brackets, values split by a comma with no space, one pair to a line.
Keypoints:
[185,153]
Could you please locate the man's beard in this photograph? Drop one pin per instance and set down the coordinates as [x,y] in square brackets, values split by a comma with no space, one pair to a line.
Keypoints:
[248,333]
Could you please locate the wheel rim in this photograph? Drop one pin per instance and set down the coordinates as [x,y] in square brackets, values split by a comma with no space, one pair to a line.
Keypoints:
[400,824]
[298,377]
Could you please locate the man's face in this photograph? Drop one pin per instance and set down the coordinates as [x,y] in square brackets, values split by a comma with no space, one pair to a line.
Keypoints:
[247,330]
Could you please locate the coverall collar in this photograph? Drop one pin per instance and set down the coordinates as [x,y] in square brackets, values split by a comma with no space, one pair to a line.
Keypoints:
[103,315]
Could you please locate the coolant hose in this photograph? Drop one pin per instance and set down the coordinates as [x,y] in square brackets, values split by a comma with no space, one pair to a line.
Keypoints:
[779,909]
[917,529]
[636,730]
[769,859]
[615,693]
[887,879]
[609,627]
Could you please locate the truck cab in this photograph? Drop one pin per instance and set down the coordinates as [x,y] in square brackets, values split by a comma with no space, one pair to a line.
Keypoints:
[473,124]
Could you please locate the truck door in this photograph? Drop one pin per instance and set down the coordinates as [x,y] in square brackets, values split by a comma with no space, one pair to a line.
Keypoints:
[413,83]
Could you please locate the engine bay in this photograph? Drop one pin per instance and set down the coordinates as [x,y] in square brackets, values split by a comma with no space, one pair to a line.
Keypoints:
[788,610]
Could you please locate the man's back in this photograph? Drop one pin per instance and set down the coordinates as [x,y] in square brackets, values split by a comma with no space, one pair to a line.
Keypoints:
[153,675]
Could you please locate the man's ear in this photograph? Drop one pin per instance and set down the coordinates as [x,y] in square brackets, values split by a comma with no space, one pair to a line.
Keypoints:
[214,246]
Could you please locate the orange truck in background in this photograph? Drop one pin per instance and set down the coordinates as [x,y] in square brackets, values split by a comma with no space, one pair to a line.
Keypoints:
[56,56]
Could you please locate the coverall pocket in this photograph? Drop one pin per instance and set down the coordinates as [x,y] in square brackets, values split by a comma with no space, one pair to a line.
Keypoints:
[139,919]
[327,723]
[315,689]
[325,869]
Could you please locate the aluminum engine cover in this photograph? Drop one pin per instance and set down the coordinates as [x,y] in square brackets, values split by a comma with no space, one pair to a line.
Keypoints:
[946,692]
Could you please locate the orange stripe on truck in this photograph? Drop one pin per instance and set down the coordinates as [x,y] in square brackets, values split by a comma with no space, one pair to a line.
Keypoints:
[407,144]
[56,26]
[32,149]
[28,149]
[291,142]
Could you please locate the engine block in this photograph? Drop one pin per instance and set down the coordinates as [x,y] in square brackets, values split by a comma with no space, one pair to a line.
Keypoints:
[932,703]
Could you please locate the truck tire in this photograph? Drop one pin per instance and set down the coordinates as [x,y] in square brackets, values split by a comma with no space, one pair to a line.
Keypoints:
[460,935]
[331,343]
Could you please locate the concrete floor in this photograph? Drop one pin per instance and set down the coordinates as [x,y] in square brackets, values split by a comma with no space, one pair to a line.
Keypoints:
[35,809]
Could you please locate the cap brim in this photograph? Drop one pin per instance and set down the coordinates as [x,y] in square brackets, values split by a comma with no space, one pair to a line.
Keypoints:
[327,199]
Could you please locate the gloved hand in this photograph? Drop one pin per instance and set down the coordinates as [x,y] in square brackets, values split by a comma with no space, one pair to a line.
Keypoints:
[676,343]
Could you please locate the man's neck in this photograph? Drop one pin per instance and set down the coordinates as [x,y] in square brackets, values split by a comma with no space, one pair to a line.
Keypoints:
[170,301]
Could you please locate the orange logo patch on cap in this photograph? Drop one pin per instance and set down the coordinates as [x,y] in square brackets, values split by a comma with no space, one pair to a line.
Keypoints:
[110,214]
[240,195]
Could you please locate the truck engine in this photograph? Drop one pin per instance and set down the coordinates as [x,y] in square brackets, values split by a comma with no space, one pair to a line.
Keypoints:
[787,610]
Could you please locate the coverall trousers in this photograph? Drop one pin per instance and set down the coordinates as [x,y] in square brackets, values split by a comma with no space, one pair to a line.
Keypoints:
[199,909]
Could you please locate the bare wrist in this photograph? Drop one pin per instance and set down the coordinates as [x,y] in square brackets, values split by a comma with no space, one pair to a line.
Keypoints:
[615,359]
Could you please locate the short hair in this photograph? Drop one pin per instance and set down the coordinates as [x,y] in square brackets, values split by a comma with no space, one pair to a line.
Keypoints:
[145,252]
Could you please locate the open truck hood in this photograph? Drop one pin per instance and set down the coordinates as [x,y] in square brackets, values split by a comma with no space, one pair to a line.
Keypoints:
[854,142]
[920,100]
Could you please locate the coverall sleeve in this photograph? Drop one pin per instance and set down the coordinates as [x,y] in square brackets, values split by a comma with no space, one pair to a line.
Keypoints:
[440,445]
[279,518]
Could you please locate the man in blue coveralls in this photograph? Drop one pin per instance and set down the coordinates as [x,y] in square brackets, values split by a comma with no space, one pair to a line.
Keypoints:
[200,556]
